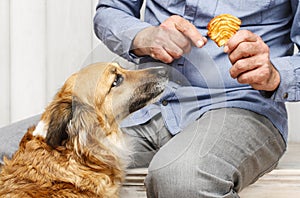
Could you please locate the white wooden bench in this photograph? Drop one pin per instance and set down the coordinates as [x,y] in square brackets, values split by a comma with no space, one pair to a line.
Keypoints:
[283,182]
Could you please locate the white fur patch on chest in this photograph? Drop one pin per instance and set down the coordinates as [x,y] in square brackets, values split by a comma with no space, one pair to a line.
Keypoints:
[40,129]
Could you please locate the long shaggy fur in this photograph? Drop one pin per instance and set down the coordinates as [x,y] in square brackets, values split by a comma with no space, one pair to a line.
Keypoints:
[77,149]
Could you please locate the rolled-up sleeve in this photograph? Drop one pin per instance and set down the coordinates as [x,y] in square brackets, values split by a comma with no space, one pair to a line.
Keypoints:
[289,67]
[289,87]
[117,22]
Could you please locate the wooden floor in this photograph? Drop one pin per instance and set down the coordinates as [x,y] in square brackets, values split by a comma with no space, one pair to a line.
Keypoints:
[283,182]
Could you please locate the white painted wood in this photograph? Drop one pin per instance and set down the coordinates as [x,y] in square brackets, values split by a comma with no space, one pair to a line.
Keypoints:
[294,113]
[69,28]
[27,32]
[4,63]
[293,119]
[100,52]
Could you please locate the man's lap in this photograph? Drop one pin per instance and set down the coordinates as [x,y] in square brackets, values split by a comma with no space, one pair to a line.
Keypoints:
[221,153]
[234,146]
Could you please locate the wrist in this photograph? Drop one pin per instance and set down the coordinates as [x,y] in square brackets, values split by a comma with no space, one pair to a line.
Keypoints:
[139,43]
[275,80]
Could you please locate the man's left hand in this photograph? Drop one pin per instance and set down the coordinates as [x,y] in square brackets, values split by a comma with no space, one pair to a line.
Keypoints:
[250,58]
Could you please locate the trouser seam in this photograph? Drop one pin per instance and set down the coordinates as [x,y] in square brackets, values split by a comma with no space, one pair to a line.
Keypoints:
[268,169]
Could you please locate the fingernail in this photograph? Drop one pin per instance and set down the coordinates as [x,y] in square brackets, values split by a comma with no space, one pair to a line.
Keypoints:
[200,43]
[226,49]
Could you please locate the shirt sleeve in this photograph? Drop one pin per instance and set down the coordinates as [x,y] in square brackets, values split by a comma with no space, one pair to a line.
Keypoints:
[289,67]
[117,22]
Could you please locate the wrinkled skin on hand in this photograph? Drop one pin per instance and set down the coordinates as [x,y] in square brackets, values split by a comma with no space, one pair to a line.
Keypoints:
[250,58]
[169,41]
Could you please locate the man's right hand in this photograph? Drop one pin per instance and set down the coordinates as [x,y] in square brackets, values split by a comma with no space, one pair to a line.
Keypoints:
[169,41]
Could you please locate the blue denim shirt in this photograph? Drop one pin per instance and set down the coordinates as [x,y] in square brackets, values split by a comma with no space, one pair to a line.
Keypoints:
[200,80]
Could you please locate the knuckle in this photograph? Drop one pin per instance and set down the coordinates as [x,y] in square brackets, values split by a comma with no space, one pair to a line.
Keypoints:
[232,58]
[165,26]
[241,79]
[239,65]
[176,54]
[264,74]
[166,59]
[186,45]
[245,48]
[154,52]
[232,73]
[175,18]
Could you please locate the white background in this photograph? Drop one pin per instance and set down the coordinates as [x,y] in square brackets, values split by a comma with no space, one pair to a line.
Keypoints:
[42,42]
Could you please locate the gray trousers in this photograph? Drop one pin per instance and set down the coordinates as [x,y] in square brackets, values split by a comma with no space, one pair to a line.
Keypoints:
[221,153]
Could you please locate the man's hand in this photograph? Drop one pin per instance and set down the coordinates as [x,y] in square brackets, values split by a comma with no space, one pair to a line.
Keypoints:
[169,41]
[250,58]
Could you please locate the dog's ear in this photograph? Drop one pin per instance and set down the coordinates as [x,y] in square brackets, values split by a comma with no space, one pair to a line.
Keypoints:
[60,116]
[59,113]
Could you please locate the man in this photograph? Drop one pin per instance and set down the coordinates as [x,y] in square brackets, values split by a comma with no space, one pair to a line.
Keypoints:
[210,135]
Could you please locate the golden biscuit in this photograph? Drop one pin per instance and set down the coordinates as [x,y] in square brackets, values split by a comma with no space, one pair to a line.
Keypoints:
[222,27]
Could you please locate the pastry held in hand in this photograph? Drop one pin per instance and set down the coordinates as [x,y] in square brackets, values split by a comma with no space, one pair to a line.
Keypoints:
[222,27]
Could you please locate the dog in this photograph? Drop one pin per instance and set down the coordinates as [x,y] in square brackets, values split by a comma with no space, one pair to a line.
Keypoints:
[77,148]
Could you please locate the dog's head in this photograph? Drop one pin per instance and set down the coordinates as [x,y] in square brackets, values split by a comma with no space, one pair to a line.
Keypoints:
[95,99]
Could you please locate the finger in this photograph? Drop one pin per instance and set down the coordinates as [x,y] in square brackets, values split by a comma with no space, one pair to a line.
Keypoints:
[180,41]
[259,77]
[245,50]
[161,54]
[242,66]
[175,44]
[251,77]
[173,50]
[240,37]
[188,29]
[268,82]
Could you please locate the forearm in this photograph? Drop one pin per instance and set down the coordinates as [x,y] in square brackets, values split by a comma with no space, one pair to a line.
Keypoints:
[117,23]
[289,66]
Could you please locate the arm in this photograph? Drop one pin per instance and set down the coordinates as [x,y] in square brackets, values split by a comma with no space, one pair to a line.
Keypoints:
[277,78]
[168,41]
[117,22]
[118,26]
[289,67]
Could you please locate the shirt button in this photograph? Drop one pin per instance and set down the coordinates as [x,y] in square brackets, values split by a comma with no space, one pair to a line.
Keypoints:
[285,95]
[164,102]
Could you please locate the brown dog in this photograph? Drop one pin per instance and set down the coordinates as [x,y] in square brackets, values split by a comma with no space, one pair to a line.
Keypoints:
[77,149]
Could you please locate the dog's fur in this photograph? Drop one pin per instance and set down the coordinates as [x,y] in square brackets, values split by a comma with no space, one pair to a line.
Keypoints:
[77,149]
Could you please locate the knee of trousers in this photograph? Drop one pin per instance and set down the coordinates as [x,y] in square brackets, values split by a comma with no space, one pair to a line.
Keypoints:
[185,179]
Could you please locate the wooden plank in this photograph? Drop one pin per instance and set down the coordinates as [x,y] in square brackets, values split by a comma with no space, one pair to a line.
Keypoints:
[4,63]
[277,184]
[28,32]
[69,28]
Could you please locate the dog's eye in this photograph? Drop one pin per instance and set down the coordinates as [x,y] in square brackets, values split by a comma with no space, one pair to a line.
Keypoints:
[118,80]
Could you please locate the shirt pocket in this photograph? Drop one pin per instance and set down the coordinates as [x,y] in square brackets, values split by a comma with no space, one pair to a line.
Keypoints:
[249,11]
[170,6]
